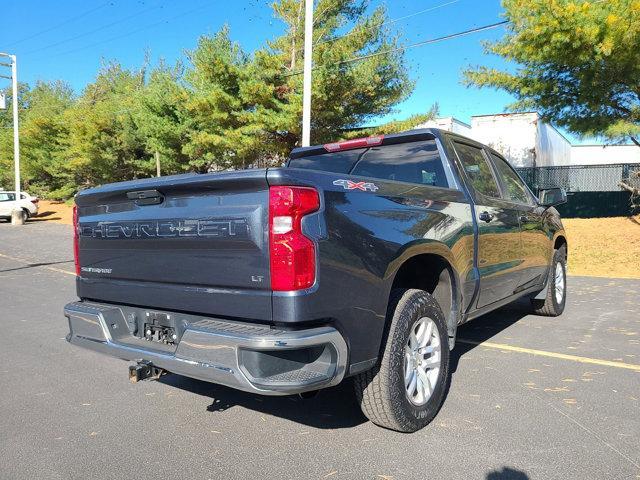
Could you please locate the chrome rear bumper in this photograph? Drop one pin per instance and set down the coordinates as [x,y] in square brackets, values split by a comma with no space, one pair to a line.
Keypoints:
[249,357]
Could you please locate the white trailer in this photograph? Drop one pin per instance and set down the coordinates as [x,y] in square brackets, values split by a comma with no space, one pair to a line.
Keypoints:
[523,138]
[450,124]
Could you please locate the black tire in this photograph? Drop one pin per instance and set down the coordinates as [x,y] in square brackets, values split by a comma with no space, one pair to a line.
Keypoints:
[25,215]
[381,391]
[550,306]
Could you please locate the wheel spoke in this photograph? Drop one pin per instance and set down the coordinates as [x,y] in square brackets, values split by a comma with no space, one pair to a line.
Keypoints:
[422,334]
[411,388]
[420,393]
[407,366]
[427,350]
[424,383]
[429,331]
[431,362]
[413,341]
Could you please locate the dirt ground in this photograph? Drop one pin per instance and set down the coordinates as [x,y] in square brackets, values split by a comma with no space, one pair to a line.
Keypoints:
[598,247]
[54,212]
[604,247]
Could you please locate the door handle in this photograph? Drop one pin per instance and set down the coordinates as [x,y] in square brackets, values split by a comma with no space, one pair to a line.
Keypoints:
[485,216]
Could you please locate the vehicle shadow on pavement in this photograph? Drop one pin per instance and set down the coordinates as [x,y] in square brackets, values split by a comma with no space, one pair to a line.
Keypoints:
[483,328]
[331,408]
[507,473]
[337,407]
[34,265]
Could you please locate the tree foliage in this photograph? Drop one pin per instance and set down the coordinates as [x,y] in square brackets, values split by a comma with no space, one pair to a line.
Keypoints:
[219,107]
[578,64]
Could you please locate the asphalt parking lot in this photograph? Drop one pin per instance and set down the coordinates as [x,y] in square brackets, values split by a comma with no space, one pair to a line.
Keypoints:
[531,398]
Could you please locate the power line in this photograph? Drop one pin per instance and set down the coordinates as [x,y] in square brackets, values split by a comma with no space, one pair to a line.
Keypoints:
[133,32]
[389,22]
[62,24]
[413,45]
[103,27]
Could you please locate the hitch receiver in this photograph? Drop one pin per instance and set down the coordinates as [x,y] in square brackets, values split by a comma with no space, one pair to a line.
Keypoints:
[143,371]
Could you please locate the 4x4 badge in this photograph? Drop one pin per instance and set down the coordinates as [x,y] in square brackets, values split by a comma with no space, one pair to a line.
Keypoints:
[349,185]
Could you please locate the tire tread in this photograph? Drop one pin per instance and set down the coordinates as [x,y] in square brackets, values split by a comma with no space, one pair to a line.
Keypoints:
[373,389]
[547,307]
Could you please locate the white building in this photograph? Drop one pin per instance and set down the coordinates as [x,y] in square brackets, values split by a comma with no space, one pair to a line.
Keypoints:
[601,154]
[526,141]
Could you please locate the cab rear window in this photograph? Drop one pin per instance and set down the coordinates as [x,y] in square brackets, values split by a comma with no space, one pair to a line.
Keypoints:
[413,162]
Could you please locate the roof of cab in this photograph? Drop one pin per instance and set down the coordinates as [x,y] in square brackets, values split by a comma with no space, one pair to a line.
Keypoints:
[408,136]
[391,139]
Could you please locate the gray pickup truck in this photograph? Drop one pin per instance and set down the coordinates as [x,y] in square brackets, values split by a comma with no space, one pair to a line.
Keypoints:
[358,259]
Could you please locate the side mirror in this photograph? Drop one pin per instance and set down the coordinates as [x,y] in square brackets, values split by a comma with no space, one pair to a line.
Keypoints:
[550,197]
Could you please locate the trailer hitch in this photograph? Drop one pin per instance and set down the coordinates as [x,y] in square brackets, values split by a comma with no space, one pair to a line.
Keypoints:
[144,370]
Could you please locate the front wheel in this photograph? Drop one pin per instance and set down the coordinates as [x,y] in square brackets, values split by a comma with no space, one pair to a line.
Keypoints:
[406,389]
[556,297]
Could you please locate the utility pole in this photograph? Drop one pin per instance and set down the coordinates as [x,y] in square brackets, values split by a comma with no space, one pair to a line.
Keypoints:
[157,155]
[16,139]
[306,90]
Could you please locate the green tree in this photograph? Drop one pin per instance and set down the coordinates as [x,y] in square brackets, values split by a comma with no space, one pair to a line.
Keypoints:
[577,63]
[6,133]
[346,93]
[44,133]
[105,143]
[161,117]
[245,107]
[225,108]
[232,105]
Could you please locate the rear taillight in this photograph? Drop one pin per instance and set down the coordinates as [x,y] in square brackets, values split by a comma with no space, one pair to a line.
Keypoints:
[76,247]
[293,256]
[35,201]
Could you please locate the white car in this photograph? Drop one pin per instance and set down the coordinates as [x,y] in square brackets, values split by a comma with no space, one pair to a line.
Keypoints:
[27,204]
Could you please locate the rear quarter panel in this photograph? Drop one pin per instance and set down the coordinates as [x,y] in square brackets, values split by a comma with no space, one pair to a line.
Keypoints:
[363,238]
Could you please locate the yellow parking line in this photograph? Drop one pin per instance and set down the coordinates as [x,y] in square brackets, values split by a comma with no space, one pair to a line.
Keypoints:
[27,262]
[562,356]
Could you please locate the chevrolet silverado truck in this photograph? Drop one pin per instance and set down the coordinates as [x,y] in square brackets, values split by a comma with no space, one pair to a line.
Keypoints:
[357,259]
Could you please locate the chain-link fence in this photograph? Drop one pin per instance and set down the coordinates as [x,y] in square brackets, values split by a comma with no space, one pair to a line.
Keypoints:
[592,190]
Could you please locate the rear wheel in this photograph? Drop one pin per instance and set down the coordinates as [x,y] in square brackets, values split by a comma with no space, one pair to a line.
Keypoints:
[553,304]
[406,389]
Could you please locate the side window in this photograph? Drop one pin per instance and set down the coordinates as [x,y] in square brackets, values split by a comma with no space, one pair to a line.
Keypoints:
[515,190]
[7,197]
[477,169]
[414,162]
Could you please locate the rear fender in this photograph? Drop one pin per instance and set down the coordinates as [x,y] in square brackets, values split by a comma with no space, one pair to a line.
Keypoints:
[449,279]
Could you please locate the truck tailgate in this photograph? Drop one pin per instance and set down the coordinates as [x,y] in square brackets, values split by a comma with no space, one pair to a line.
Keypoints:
[181,243]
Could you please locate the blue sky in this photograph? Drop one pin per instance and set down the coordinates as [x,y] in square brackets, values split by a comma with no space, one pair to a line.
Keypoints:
[68,39]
